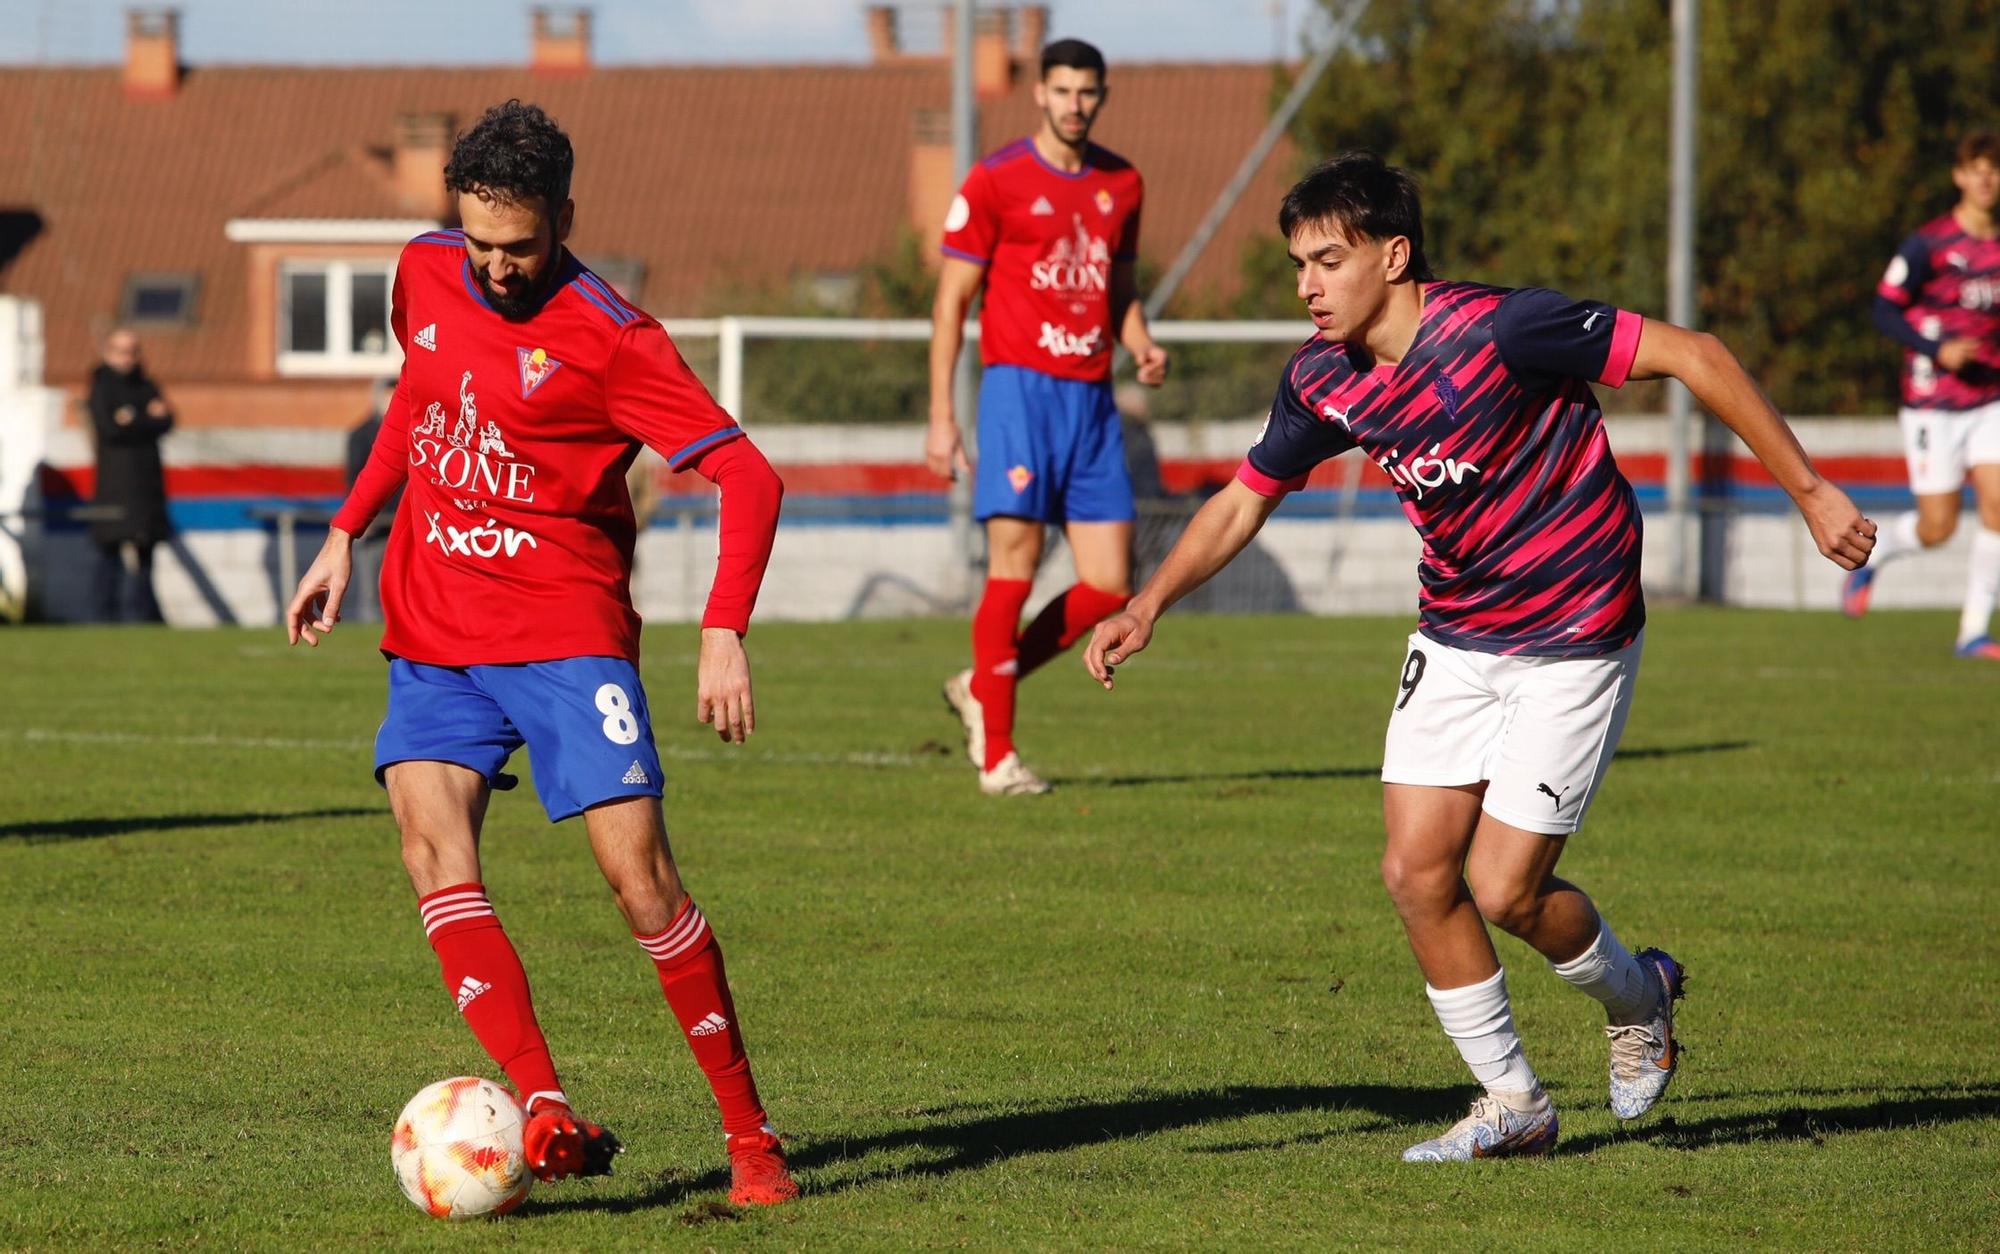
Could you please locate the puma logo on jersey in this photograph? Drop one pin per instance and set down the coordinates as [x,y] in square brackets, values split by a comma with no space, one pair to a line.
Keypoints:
[1553,795]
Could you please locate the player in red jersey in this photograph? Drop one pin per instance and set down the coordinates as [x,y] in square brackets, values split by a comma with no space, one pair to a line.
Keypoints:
[527,387]
[1476,401]
[1050,225]
[1940,299]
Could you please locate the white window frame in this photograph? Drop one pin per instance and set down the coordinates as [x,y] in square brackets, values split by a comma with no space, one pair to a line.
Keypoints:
[338,361]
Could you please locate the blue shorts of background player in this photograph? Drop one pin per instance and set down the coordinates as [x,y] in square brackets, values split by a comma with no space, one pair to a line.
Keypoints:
[583,719]
[1050,450]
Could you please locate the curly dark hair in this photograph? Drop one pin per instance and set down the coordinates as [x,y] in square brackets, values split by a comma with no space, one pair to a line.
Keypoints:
[513,153]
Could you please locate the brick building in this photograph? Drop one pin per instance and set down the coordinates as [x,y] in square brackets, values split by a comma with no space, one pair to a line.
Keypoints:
[246,218]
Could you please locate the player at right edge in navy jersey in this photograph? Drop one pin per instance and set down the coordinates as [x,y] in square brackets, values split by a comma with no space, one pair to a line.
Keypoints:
[1940,299]
[1476,402]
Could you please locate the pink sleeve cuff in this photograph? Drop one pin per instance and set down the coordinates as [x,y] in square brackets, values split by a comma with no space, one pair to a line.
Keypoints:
[1624,347]
[1894,293]
[1264,485]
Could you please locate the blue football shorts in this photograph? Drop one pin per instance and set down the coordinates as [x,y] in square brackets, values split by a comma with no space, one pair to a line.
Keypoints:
[1050,450]
[583,720]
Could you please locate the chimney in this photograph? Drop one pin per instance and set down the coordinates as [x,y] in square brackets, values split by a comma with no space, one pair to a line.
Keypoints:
[559,39]
[1033,34]
[931,186]
[992,59]
[884,46]
[423,145]
[152,53]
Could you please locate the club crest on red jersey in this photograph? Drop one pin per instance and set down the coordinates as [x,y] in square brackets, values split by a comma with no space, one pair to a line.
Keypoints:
[536,367]
[1104,202]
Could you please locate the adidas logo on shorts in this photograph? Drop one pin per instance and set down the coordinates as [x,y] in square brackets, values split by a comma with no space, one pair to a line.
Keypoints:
[709,1026]
[634,774]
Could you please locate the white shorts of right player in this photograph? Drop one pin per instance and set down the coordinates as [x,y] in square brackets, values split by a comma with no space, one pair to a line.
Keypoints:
[1940,445]
[1540,731]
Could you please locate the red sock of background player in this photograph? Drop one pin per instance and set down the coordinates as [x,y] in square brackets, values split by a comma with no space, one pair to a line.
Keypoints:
[697,989]
[994,649]
[483,973]
[1064,621]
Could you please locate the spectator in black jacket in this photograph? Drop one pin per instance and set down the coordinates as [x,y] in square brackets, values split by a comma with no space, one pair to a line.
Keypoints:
[128,415]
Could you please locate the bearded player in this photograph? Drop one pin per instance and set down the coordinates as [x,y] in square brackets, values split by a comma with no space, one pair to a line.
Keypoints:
[1476,402]
[1050,226]
[527,388]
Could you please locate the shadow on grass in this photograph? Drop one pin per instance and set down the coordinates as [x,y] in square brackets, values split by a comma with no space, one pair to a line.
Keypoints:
[135,825]
[1360,772]
[1908,1109]
[980,1140]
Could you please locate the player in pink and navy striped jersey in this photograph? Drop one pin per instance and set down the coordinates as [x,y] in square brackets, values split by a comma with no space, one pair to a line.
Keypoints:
[1940,299]
[1476,402]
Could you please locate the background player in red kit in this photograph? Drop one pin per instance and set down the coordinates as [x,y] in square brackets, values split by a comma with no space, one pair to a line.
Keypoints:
[1476,402]
[1050,225]
[527,388]
[1940,299]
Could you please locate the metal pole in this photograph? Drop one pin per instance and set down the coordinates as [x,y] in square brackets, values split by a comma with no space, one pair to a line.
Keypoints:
[1685,575]
[965,400]
[729,366]
[1274,130]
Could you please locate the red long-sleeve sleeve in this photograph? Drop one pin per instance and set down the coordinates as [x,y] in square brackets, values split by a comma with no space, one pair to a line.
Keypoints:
[751,494]
[387,466]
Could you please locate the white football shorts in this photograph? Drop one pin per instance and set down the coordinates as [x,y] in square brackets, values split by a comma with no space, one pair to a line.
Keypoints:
[1539,730]
[1942,444]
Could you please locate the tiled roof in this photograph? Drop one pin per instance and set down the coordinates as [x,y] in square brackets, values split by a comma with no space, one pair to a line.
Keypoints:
[715,178]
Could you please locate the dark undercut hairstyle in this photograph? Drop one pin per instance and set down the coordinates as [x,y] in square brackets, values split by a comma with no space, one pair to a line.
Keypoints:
[1976,145]
[514,153]
[1074,54]
[1365,198]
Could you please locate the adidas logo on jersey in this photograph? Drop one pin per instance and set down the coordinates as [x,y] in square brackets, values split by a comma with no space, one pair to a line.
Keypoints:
[427,338]
[634,774]
[1042,208]
[468,989]
[710,1024]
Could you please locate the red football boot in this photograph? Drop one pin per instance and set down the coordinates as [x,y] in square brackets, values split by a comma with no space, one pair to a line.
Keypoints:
[558,1144]
[757,1172]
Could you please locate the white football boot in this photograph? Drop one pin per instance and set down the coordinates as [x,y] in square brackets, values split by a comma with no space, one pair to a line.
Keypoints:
[1012,778]
[958,695]
[1644,1054]
[1493,1130]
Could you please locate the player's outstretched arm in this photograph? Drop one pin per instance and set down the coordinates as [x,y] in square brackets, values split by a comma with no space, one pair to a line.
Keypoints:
[1217,533]
[944,446]
[315,607]
[1710,371]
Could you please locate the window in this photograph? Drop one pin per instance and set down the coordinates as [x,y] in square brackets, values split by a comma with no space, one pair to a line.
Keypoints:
[158,300]
[333,318]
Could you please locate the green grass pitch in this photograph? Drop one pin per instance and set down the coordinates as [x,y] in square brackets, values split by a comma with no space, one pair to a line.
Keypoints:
[1167,1006]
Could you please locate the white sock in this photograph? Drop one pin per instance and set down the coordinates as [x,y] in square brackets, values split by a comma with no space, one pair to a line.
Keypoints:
[1896,538]
[1479,1021]
[1613,976]
[1982,586]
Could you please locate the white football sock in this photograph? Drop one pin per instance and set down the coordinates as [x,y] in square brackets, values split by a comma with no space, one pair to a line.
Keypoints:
[1896,538]
[1613,976]
[1479,1021]
[1982,586]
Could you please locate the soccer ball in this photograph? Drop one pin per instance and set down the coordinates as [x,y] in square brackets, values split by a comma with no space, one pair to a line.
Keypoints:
[457,1149]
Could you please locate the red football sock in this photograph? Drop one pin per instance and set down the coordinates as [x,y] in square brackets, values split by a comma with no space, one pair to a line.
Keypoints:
[994,651]
[1063,621]
[482,971]
[697,989]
